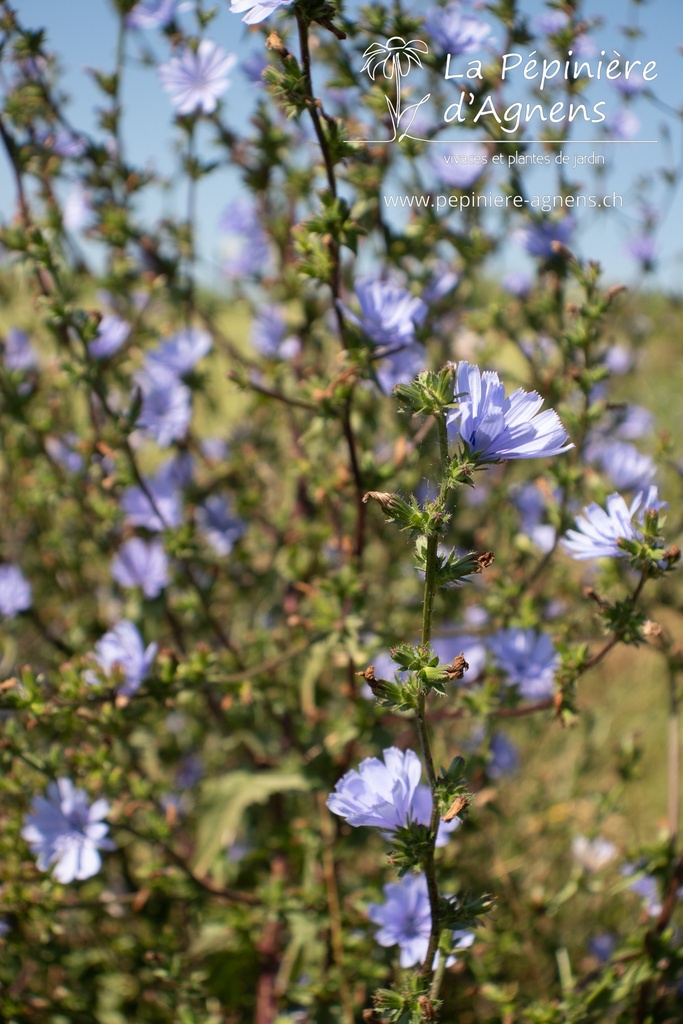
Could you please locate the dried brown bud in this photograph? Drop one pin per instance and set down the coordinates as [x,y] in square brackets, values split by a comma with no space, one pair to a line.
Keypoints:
[368,674]
[273,42]
[427,1007]
[456,807]
[457,668]
[672,554]
[485,559]
[385,498]
[561,250]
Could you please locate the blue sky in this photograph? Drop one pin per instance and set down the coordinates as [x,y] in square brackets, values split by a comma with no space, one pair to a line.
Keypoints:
[83,33]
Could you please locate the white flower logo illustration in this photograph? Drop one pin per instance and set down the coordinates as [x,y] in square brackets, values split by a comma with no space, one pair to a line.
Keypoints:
[395,58]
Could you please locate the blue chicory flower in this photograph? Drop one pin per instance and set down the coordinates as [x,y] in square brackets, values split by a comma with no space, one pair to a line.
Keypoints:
[180,354]
[532,504]
[139,564]
[19,353]
[65,831]
[456,33]
[256,10]
[493,427]
[195,80]
[152,13]
[122,648]
[627,468]
[598,531]
[464,165]
[389,313]
[643,249]
[15,591]
[504,756]
[387,795]
[405,920]
[269,334]
[166,410]
[218,524]
[247,248]
[64,452]
[163,512]
[111,335]
[593,854]
[538,238]
[528,659]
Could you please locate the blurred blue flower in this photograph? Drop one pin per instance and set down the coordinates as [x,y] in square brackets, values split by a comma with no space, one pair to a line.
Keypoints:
[472,648]
[464,167]
[269,334]
[528,659]
[63,830]
[122,648]
[388,312]
[387,795]
[538,238]
[593,854]
[64,143]
[111,335]
[195,80]
[643,249]
[248,250]
[646,887]
[399,367]
[138,564]
[406,920]
[455,33]
[180,354]
[493,427]
[532,505]
[603,945]
[76,210]
[163,512]
[151,13]
[19,353]
[64,452]
[618,359]
[217,523]
[627,468]
[15,591]
[504,756]
[256,10]
[517,283]
[631,86]
[253,66]
[442,281]
[622,123]
[550,22]
[166,410]
[597,531]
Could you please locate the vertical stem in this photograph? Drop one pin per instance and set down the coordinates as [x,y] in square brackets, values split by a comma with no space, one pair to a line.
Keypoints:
[674,757]
[427,614]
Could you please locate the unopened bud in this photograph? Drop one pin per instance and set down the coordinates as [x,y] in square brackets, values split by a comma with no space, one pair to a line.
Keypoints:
[273,42]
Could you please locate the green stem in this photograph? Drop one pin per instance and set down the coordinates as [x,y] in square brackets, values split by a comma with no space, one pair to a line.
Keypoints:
[427,615]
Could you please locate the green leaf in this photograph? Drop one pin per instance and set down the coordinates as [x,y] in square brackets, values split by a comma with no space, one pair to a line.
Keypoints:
[224,802]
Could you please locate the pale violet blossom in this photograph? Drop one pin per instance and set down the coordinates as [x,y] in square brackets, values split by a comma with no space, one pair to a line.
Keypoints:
[122,649]
[493,427]
[387,794]
[528,659]
[15,591]
[598,530]
[195,79]
[141,564]
[593,854]
[405,921]
[257,10]
[65,831]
